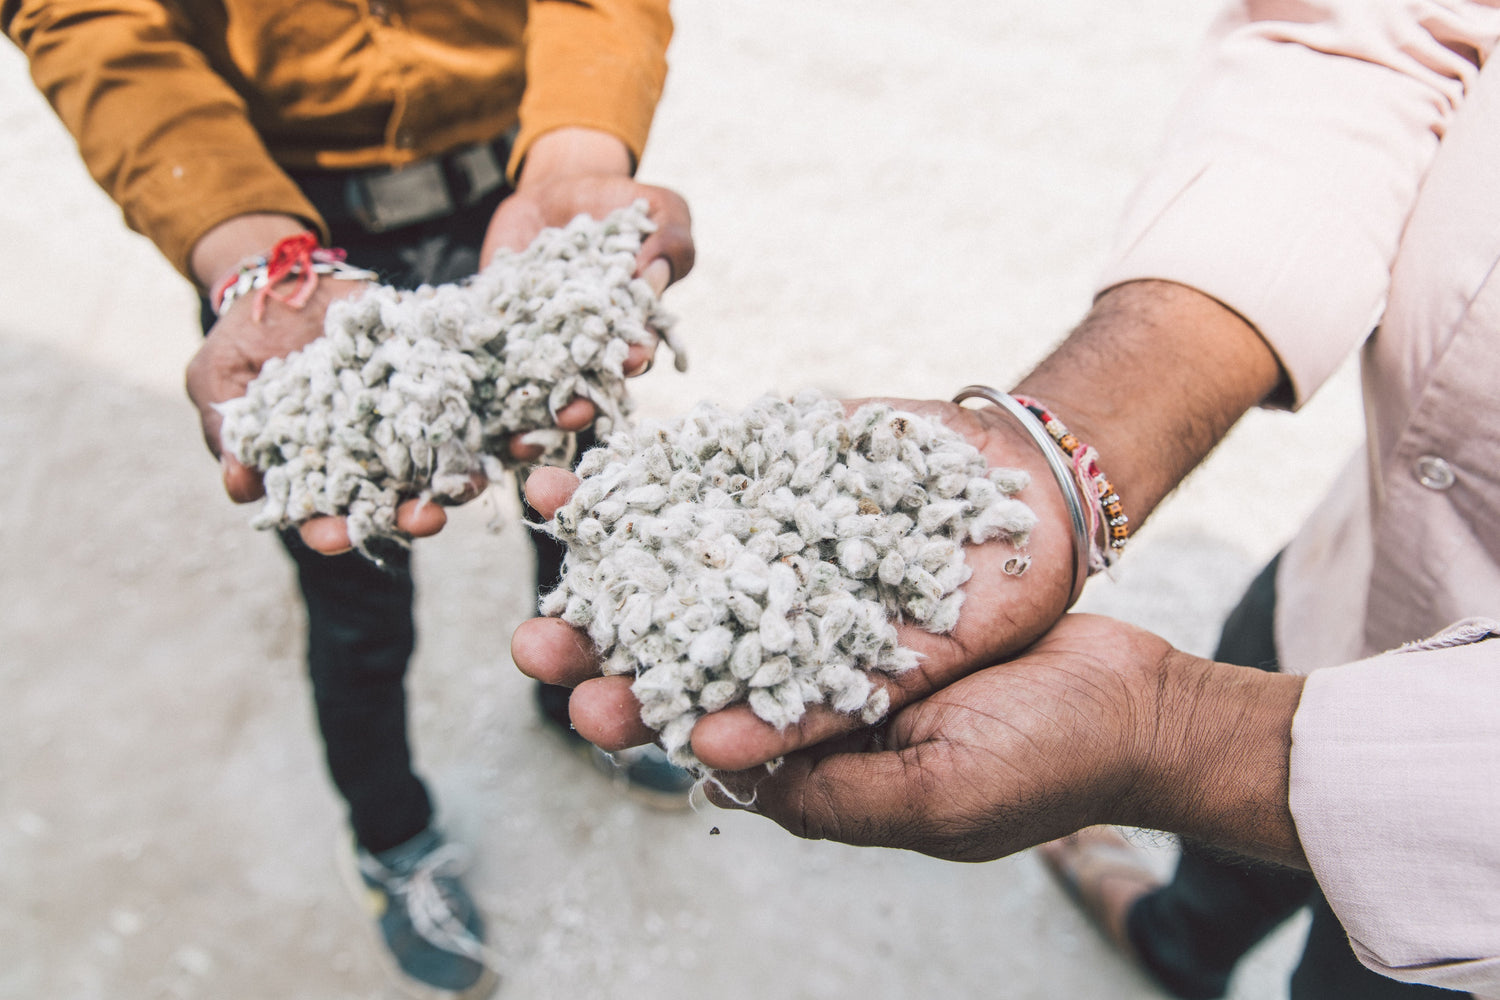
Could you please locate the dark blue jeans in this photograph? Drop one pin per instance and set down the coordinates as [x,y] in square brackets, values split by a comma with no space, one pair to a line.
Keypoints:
[359,613]
[1193,931]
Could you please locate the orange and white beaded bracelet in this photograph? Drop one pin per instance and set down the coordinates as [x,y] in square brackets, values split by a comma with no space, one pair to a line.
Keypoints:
[1105,508]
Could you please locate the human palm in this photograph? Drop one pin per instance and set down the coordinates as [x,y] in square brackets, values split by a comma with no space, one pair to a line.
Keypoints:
[1002,613]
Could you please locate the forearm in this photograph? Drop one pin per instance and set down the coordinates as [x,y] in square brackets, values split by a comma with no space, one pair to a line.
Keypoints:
[1287,215]
[1153,378]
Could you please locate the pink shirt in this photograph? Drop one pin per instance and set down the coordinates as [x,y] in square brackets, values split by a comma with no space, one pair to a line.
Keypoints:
[1334,177]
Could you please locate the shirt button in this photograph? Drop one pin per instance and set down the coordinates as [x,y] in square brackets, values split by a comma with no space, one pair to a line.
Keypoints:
[1434,473]
[379,10]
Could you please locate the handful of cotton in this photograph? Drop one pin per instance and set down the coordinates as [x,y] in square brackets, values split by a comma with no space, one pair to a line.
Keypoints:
[761,557]
[409,393]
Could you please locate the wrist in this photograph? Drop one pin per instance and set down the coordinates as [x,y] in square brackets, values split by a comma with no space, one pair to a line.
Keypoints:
[223,248]
[1153,378]
[1212,757]
[571,152]
[295,261]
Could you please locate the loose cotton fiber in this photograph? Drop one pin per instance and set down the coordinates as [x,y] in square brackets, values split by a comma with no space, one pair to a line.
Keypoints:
[763,557]
[409,393]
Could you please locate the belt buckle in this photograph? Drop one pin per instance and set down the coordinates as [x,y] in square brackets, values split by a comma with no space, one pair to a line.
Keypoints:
[401,197]
[481,169]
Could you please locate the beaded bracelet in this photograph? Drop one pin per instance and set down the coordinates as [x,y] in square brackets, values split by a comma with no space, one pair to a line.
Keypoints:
[1034,427]
[1105,506]
[298,257]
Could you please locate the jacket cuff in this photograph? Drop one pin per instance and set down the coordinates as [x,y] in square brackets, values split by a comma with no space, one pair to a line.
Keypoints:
[175,212]
[598,66]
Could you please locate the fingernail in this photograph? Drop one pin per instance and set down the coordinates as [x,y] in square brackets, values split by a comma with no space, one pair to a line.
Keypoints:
[658,274]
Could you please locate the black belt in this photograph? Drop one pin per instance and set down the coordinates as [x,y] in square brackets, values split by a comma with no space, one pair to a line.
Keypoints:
[387,198]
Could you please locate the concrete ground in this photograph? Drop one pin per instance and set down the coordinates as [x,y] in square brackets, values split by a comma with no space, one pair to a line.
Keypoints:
[889,199]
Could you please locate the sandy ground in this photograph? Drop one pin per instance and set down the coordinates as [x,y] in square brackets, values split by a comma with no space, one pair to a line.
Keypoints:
[889,198]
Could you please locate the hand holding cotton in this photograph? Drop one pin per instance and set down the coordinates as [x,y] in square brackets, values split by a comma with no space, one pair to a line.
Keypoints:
[410,393]
[761,557]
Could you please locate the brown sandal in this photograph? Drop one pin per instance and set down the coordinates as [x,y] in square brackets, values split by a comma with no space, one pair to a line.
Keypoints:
[1086,863]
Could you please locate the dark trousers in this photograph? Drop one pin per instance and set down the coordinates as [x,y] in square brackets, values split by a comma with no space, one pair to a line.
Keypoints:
[1191,933]
[359,613]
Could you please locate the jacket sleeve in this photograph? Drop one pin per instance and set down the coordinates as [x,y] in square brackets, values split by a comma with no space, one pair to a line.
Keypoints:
[1294,161]
[1395,790]
[158,129]
[597,64]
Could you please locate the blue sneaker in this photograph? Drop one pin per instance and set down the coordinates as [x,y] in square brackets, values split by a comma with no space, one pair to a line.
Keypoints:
[643,773]
[430,924]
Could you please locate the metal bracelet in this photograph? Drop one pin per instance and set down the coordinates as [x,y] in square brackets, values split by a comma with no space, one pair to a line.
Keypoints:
[1060,471]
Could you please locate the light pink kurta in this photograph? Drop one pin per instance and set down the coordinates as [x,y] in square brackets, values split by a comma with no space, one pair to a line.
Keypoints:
[1334,177]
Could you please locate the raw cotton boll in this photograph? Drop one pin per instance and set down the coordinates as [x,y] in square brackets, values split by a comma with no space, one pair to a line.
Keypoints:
[416,391]
[766,554]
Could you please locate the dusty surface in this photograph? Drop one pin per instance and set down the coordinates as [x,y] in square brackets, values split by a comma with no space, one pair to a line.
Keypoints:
[886,202]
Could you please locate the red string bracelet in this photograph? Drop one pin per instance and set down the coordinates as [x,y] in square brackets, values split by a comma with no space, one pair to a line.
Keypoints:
[298,258]
[1105,507]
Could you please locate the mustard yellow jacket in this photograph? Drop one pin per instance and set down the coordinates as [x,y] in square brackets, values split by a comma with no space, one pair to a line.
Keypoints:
[185,111]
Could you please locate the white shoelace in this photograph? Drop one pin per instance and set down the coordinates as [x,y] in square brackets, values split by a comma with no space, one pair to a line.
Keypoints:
[431,915]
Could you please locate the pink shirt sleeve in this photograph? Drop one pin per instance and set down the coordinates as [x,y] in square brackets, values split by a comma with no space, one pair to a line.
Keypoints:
[1294,161]
[1395,790]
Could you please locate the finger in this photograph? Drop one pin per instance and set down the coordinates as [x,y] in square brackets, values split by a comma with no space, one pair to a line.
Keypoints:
[607,715]
[478,483]
[640,359]
[735,739]
[865,799]
[658,274]
[514,225]
[241,483]
[328,535]
[420,518]
[673,239]
[522,451]
[736,789]
[553,652]
[577,415]
[548,488]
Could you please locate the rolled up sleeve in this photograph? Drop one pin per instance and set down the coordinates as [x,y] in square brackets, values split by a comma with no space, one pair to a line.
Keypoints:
[1395,791]
[159,130]
[1294,162]
[597,64]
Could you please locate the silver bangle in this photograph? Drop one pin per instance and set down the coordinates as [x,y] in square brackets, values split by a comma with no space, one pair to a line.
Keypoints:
[1060,471]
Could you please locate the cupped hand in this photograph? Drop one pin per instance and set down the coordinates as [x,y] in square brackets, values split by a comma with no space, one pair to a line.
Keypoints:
[232,355]
[544,201]
[1001,614]
[1000,760]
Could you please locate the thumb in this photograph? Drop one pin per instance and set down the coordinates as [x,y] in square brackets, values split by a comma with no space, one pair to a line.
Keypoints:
[658,274]
[513,226]
[240,482]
